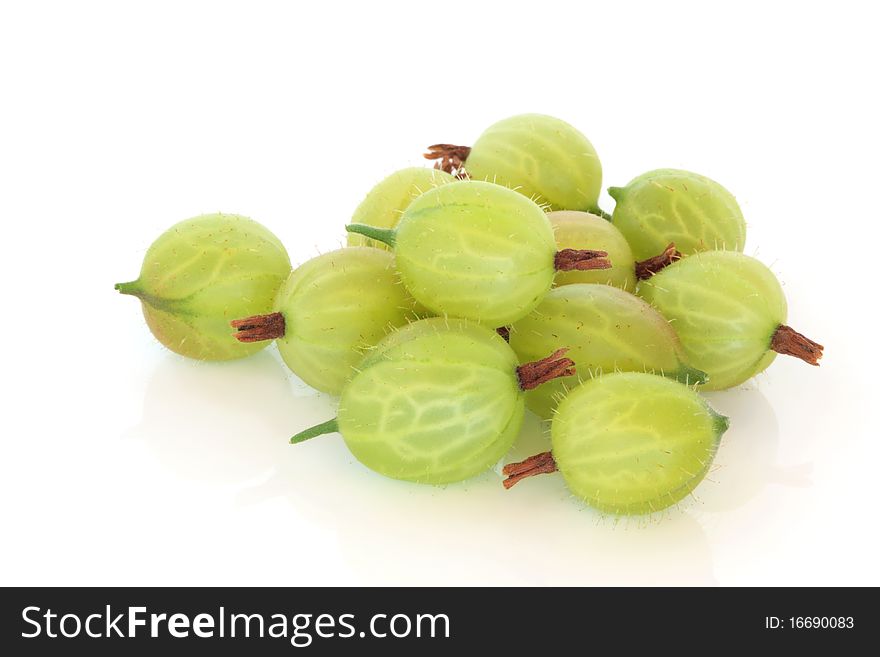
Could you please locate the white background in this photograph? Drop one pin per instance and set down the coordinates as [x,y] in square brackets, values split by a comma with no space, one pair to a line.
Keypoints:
[125,464]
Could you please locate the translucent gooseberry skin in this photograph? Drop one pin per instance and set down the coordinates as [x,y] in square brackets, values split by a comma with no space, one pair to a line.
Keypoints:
[725,307]
[336,306]
[385,203]
[634,443]
[541,157]
[582,230]
[204,272]
[438,401]
[671,205]
[477,251]
[606,330]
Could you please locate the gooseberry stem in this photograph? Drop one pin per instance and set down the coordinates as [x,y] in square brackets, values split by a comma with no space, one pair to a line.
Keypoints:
[132,287]
[690,375]
[330,426]
[650,266]
[384,235]
[789,342]
[531,375]
[599,212]
[542,463]
[581,260]
[449,158]
[135,289]
[259,327]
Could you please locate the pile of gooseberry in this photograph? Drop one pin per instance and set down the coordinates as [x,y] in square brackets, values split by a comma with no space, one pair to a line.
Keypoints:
[488,285]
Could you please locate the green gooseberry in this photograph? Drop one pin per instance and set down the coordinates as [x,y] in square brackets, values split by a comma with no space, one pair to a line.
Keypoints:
[202,273]
[605,329]
[729,312]
[438,401]
[385,203]
[629,443]
[674,206]
[541,157]
[330,311]
[478,251]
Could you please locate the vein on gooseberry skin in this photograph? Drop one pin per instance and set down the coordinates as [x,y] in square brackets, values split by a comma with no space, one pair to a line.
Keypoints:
[438,401]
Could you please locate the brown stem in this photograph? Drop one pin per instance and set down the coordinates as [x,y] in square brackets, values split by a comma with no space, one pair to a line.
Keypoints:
[504,332]
[259,327]
[542,463]
[581,259]
[650,266]
[791,343]
[531,375]
[449,158]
